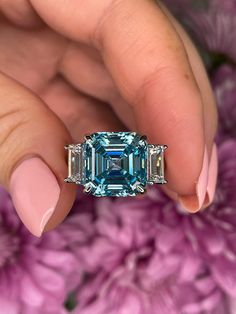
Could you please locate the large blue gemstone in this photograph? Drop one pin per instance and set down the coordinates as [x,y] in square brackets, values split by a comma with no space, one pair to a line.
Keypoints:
[115,163]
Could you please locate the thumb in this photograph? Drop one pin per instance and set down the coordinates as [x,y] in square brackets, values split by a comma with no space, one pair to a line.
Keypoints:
[33,162]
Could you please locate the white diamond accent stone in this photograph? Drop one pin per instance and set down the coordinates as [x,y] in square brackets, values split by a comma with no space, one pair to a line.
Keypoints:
[155,173]
[75,164]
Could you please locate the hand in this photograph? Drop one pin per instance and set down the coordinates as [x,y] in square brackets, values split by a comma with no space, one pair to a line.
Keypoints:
[75,67]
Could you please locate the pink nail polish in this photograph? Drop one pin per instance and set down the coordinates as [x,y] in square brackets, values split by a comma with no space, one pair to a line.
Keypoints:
[193,203]
[212,178]
[35,193]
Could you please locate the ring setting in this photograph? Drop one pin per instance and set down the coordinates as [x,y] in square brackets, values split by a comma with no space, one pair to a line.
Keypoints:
[115,164]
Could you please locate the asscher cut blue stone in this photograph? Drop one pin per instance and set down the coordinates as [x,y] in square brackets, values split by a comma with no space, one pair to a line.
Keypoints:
[115,163]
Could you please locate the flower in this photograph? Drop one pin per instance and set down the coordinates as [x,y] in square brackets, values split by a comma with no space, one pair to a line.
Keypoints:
[138,255]
[35,274]
[146,256]
[224,82]
[211,22]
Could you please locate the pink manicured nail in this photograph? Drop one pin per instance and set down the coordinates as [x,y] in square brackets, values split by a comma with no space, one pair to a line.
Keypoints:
[212,178]
[193,203]
[35,193]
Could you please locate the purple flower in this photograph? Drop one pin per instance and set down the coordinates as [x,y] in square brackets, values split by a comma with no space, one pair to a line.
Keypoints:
[146,256]
[228,6]
[35,274]
[224,82]
[143,255]
[212,22]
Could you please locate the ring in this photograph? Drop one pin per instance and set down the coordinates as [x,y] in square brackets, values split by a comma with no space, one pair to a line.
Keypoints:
[115,164]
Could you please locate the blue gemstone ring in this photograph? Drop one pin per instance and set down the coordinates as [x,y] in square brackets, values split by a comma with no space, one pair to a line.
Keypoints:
[115,164]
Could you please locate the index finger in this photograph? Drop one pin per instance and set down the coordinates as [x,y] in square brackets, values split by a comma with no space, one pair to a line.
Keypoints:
[149,65]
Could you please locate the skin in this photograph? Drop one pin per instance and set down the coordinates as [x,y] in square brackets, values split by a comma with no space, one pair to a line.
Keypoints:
[68,68]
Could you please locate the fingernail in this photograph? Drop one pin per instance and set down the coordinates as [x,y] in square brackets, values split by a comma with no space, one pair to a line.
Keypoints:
[194,203]
[212,177]
[35,192]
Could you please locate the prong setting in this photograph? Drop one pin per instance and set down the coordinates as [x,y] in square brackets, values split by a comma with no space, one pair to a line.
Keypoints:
[68,146]
[68,180]
[88,137]
[141,189]
[164,181]
[143,140]
[87,189]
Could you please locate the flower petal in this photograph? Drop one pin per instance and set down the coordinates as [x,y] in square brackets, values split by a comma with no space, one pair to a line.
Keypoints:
[31,294]
[224,273]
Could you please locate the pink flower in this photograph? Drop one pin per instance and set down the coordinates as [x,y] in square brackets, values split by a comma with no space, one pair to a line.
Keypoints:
[35,274]
[147,256]
[211,22]
[224,82]
[143,255]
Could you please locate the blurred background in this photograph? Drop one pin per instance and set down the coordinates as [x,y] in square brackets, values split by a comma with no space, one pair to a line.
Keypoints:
[146,256]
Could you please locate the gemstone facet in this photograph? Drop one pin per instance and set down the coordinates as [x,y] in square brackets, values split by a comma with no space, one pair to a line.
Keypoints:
[155,164]
[115,164]
[75,164]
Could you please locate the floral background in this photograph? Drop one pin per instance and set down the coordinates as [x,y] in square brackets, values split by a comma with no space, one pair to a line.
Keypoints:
[125,256]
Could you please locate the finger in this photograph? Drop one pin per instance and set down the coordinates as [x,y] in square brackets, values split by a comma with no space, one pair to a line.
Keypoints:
[210,113]
[94,80]
[92,70]
[20,12]
[80,113]
[200,74]
[149,65]
[33,163]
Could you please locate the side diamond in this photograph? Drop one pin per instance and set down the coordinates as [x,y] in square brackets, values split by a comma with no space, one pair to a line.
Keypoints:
[155,173]
[75,164]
